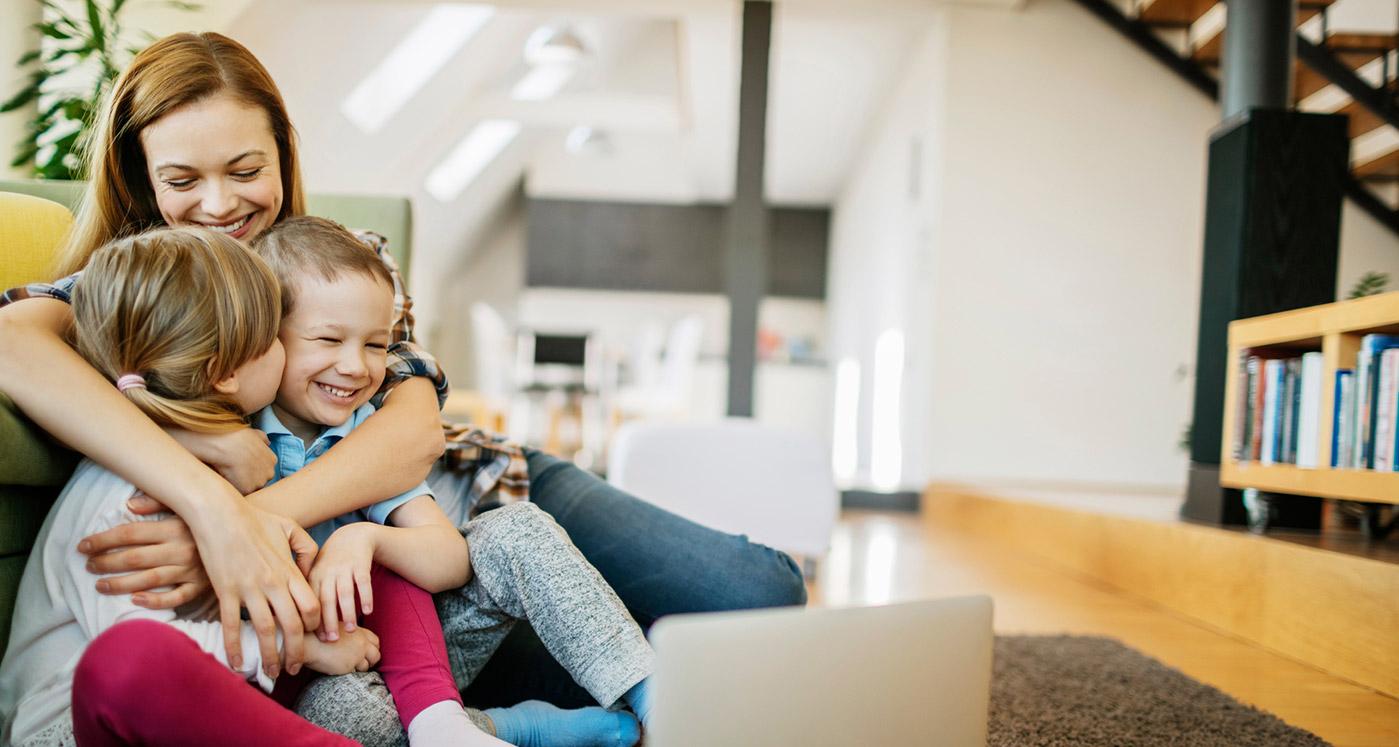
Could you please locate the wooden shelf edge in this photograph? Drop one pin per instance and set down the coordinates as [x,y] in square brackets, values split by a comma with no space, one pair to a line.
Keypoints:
[1350,317]
[1350,484]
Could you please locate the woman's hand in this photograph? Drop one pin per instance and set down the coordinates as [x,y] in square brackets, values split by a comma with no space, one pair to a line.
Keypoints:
[150,554]
[247,559]
[242,457]
[341,568]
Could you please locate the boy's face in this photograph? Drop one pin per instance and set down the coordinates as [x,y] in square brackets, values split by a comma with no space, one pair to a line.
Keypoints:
[336,339]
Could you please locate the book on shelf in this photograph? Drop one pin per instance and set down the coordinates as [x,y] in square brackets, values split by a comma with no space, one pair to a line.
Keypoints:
[1272,385]
[1279,398]
[1387,390]
[1342,417]
[1308,404]
[1367,397]
[1292,398]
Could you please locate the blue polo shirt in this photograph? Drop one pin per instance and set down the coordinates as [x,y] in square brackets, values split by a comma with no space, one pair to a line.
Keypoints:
[293,454]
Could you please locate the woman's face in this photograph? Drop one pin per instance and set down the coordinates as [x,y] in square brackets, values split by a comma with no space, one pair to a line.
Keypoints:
[214,163]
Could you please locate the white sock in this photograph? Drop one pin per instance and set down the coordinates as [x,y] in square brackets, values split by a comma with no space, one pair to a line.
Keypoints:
[445,724]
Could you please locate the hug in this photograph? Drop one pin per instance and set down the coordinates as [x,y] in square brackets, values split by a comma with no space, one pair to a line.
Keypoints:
[272,538]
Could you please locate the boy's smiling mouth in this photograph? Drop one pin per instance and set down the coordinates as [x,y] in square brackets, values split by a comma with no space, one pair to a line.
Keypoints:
[336,392]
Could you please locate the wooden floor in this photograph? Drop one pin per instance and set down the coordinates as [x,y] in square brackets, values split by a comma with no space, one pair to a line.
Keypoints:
[881,557]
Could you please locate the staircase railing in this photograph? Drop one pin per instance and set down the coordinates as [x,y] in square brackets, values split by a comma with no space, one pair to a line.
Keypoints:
[1381,101]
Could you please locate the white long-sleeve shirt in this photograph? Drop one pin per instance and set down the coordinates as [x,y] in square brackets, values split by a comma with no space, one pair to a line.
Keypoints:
[62,611]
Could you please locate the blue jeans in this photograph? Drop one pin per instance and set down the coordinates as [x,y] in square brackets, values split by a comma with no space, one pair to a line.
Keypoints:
[659,564]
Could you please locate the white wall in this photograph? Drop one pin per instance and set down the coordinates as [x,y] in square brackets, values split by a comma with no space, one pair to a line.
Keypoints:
[1366,246]
[491,270]
[16,38]
[879,225]
[1048,268]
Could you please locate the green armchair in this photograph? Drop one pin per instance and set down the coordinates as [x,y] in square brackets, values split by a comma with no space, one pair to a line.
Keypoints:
[33,467]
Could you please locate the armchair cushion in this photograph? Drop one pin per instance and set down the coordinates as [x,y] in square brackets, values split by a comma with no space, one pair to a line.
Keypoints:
[29,237]
[32,465]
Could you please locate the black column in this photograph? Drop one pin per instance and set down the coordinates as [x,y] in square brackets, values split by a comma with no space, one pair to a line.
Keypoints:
[746,251]
[1272,228]
[1259,45]
[1272,239]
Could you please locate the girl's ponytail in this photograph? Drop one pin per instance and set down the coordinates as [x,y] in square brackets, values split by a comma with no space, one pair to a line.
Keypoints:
[211,414]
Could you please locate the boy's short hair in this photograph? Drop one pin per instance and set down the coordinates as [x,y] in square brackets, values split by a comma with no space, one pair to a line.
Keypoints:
[308,244]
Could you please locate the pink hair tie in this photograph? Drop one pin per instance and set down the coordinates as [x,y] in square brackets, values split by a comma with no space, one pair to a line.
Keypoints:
[131,381]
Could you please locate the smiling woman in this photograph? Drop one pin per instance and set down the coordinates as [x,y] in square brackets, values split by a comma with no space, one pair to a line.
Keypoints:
[196,132]
[239,194]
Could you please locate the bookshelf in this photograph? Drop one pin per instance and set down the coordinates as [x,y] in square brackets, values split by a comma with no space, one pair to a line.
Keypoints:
[1335,329]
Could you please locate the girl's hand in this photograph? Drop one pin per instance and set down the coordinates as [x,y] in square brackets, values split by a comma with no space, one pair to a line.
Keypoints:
[245,552]
[150,554]
[343,566]
[242,457]
[356,651]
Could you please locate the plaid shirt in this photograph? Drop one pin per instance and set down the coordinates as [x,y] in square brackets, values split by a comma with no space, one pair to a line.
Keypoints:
[496,467]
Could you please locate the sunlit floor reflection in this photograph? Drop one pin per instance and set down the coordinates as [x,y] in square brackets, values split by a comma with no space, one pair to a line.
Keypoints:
[870,553]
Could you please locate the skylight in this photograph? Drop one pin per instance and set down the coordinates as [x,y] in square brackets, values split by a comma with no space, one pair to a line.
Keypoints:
[419,55]
[470,157]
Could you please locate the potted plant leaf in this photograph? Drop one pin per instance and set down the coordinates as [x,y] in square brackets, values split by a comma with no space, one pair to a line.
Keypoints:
[83,47]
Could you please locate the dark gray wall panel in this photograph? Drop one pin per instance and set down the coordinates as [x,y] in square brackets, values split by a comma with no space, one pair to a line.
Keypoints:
[797,262]
[673,248]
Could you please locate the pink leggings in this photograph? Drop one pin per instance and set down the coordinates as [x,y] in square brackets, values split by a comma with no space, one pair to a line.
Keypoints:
[143,682]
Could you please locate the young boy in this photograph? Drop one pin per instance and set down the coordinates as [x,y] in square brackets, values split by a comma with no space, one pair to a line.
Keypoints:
[337,307]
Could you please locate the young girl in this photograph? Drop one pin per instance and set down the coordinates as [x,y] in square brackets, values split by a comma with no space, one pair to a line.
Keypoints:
[184,322]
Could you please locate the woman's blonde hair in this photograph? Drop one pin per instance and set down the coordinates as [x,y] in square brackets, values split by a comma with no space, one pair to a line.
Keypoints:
[182,307]
[176,71]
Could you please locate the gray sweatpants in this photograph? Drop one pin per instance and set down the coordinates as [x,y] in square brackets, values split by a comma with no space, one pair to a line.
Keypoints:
[524,568]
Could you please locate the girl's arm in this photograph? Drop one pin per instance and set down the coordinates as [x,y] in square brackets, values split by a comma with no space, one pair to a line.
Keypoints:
[387,454]
[244,549]
[422,546]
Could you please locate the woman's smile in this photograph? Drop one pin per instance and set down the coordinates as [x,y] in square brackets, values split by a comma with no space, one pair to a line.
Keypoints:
[214,164]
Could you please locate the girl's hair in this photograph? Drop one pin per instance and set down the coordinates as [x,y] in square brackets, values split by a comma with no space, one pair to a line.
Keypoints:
[182,307]
[176,71]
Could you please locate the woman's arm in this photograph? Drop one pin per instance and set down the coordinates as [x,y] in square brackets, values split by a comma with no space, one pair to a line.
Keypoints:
[244,549]
[242,457]
[387,454]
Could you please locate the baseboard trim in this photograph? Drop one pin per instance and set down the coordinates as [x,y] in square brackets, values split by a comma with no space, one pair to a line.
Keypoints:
[900,500]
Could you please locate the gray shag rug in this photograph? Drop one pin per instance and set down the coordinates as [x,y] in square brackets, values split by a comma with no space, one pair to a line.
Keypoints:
[1048,691]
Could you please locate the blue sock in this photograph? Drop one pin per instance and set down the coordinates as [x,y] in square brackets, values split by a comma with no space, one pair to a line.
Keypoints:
[535,723]
[639,698]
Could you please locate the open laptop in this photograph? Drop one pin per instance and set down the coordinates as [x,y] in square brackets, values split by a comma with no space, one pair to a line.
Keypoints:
[904,674]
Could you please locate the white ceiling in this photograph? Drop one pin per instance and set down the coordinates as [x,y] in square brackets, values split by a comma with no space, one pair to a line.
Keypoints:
[662,81]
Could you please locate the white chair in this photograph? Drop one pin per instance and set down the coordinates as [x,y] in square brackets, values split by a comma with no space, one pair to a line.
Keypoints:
[734,475]
[663,389]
